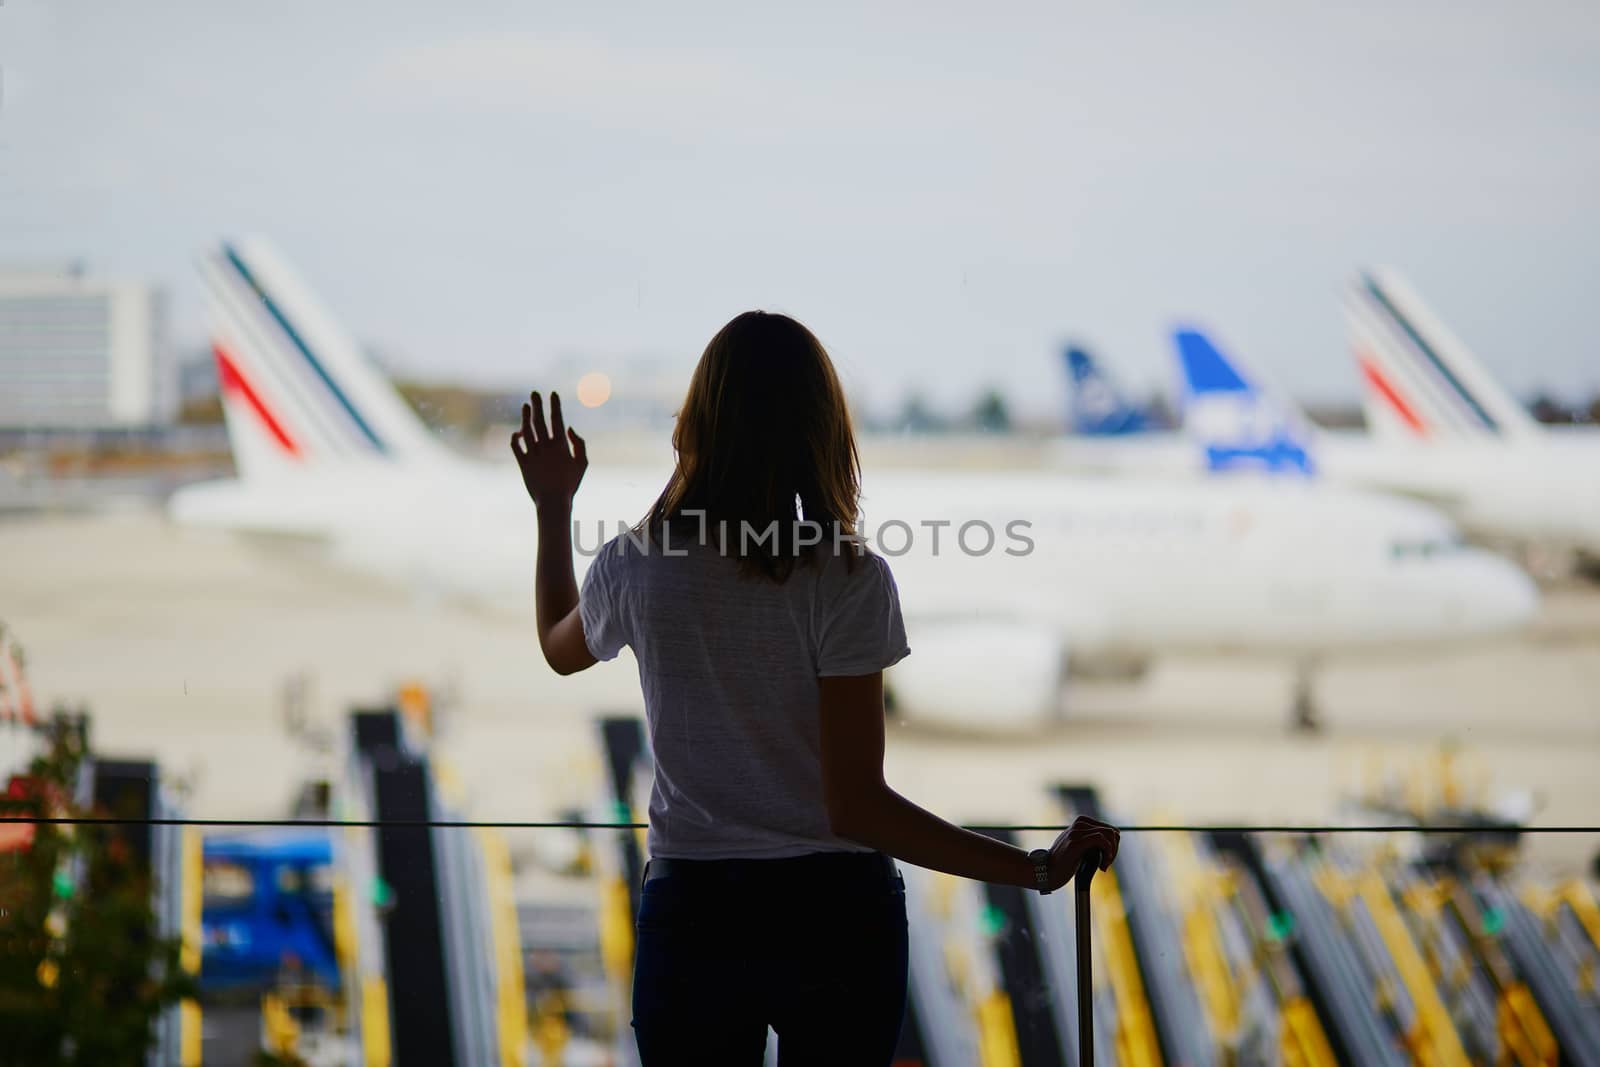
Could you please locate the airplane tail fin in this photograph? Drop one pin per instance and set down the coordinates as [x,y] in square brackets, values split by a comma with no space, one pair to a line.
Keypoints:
[297,391]
[1418,380]
[1098,408]
[1237,423]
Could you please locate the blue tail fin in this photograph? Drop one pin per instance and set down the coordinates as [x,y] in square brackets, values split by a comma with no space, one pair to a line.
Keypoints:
[1236,423]
[1097,408]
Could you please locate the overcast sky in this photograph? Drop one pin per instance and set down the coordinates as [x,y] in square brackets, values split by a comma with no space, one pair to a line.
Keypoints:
[943,192]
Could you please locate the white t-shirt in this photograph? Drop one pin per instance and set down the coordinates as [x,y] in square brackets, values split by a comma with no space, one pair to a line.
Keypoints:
[729,667]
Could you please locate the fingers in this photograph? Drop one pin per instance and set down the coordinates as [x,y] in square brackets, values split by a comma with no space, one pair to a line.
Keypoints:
[1087,834]
[1106,844]
[1096,841]
[1103,839]
[1080,851]
[541,433]
[558,425]
[535,432]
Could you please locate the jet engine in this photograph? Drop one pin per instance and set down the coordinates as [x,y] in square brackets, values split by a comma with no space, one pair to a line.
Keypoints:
[985,675]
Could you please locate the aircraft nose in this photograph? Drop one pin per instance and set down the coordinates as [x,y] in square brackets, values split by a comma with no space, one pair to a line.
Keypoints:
[1516,597]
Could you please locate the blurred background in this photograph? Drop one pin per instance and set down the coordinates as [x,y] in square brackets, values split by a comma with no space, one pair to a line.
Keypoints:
[1271,327]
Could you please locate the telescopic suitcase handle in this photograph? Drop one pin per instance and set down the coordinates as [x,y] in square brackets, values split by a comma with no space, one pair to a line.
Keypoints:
[1086,872]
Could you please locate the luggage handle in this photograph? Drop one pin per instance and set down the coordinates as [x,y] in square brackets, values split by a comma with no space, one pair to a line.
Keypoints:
[1087,867]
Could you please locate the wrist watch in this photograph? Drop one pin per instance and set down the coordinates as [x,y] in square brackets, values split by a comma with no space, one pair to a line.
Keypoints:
[1040,858]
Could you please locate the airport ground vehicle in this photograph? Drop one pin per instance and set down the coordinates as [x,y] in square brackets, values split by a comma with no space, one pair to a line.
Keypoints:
[268,909]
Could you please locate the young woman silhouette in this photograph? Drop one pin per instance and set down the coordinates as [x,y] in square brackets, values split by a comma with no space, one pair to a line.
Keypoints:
[762,628]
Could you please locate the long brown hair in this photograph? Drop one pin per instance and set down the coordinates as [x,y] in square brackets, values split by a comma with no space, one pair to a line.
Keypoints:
[763,428]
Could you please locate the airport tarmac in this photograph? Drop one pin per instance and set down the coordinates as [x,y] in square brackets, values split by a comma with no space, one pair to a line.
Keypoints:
[184,643]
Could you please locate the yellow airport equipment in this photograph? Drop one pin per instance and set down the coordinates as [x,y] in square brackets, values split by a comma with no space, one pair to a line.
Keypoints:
[1525,1037]
[344,926]
[511,1011]
[1135,1037]
[375,1022]
[1433,1039]
[1301,1040]
[1577,896]
[616,930]
[191,880]
[416,705]
[550,1031]
[997,1031]
[280,1034]
[1202,949]
[1201,890]
[189,1027]
[357,946]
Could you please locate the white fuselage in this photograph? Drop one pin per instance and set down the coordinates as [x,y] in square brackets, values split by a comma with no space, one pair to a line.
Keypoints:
[1077,565]
[1152,566]
[1543,489]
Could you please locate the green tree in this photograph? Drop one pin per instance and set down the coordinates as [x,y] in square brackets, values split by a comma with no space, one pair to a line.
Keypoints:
[990,413]
[83,976]
[917,417]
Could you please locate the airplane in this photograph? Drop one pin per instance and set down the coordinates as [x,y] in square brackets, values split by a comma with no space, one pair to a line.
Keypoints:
[1237,423]
[1106,432]
[1420,382]
[1003,577]
[1097,407]
[1451,433]
[1228,423]
[1441,430]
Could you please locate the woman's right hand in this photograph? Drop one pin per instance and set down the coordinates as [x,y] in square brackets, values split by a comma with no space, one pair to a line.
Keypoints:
[1075,841]
[553,459]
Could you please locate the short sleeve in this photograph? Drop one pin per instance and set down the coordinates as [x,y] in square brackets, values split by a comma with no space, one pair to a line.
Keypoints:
[599,607]
[862,630]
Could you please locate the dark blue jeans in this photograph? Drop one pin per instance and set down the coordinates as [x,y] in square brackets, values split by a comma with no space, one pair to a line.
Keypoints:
[814,946]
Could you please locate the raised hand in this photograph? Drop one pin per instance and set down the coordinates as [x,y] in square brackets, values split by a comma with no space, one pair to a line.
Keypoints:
[1069,848]
[552,459]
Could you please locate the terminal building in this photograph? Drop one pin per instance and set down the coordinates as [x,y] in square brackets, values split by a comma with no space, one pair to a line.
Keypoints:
[83,354]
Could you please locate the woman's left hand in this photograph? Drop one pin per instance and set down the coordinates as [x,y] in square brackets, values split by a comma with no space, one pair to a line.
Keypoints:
[552,460]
